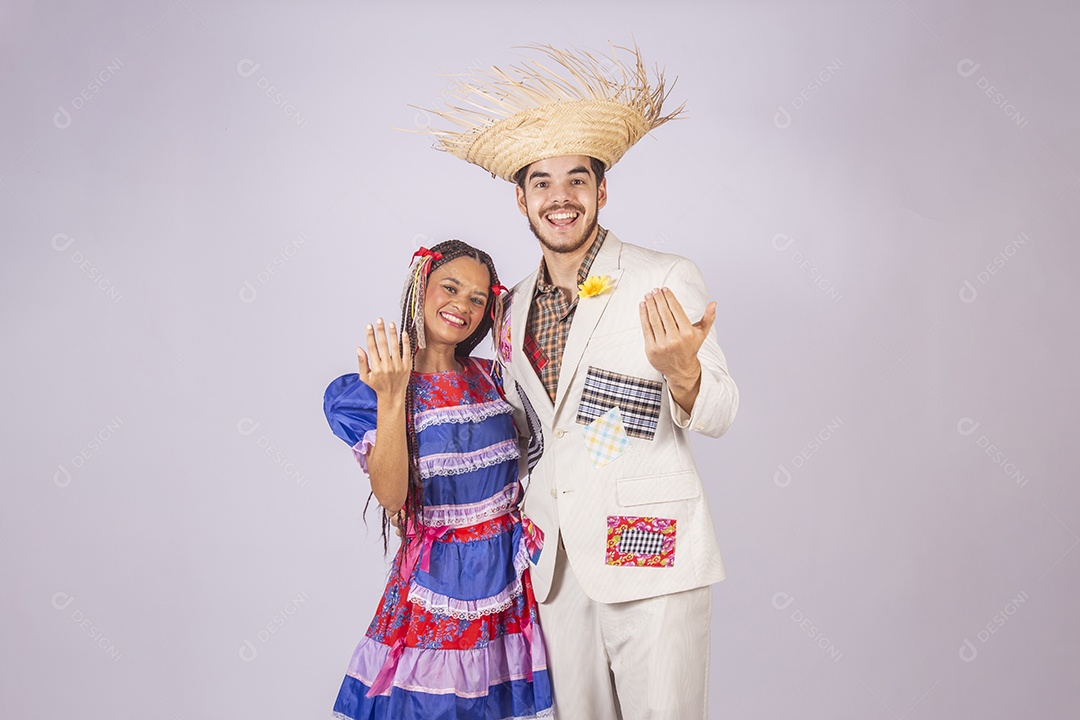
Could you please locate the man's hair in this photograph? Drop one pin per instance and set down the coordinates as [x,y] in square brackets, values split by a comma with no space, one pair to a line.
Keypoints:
[597,169]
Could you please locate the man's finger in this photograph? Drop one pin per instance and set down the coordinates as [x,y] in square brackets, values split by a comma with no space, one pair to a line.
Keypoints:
[646,325]
[681,318]
[671,322]
[654,315]
[706,322]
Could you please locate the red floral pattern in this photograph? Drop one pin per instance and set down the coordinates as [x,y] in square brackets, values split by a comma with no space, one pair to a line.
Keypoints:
[619,524]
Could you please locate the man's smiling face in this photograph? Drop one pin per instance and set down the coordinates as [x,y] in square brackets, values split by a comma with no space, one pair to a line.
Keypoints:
[562,201]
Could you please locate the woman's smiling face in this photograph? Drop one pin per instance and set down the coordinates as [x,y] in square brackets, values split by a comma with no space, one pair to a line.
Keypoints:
[457,296]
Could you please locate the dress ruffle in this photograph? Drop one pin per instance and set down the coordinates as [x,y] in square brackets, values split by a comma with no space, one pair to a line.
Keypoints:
[460,414]
[442,604]
[458,463]
[465,673]
[361,449]
[464,515]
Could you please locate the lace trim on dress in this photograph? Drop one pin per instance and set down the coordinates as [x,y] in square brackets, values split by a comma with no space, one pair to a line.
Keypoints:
[461,414]
[458,463]
[464,515]
[473,609]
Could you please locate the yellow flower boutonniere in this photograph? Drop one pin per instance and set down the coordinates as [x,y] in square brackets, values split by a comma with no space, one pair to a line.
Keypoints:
[594,285]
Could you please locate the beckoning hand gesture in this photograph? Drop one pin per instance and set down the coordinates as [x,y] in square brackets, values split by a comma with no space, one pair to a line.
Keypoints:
[386,365]
[671,340]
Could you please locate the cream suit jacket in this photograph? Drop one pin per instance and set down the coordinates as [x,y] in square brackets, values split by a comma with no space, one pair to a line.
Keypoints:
[654,483]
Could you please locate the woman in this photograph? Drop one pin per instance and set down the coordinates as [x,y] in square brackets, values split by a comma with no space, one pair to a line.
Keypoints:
[456,633]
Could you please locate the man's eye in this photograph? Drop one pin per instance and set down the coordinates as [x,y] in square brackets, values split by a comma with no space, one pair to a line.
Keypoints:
[541,184]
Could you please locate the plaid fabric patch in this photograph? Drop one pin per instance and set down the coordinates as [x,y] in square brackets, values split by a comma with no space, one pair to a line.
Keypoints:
[640,541]
[534,353]
[638,399]
[550,316]
[605,438]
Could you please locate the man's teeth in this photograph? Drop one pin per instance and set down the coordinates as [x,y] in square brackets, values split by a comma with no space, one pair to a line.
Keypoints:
[562,216]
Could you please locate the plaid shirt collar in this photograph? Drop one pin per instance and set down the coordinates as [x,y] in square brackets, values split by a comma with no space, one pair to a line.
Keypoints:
[543,282]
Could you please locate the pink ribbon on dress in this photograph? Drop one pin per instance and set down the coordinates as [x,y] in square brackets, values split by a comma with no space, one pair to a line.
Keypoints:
[413,552]
[533,537]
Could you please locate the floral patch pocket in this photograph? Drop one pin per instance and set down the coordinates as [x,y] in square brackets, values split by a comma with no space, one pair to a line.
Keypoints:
[640,541]
[639,401]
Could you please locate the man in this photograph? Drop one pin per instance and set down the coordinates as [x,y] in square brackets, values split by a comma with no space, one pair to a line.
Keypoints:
[609,373]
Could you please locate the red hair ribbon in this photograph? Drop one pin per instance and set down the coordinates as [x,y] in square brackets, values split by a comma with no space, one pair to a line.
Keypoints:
[424,252]
[499,289]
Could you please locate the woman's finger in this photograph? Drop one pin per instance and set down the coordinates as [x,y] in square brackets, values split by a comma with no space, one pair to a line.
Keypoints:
[372,348]
[380,340]
[394,342]
[361,358]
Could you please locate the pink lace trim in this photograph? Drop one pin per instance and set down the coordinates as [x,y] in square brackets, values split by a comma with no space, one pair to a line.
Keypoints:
[361,449]
[461,414]
[458,463]
[464,515]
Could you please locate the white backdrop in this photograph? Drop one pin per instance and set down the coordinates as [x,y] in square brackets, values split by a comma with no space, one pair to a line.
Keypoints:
[201,204]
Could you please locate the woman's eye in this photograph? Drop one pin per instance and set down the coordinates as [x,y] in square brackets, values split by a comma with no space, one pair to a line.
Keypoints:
[450,289]
[478,302]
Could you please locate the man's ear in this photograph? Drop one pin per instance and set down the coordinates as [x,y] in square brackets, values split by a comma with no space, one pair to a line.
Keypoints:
[601,194]
[521,200]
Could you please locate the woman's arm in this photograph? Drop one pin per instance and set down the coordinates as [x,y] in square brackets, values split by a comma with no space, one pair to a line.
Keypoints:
[386,367]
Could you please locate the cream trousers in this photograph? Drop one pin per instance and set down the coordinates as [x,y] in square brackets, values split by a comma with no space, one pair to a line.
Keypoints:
[639,660]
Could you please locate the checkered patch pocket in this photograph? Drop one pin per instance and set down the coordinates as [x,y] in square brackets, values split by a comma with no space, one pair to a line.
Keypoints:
[640,541]
[605,438]
[638,399]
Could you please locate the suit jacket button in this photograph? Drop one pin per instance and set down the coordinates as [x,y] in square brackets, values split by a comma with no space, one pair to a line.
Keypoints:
[559,433]
[554,493]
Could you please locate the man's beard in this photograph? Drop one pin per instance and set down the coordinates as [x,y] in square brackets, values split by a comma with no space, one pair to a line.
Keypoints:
[588,231]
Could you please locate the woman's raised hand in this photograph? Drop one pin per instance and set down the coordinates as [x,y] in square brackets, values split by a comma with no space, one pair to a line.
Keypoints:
[386,365]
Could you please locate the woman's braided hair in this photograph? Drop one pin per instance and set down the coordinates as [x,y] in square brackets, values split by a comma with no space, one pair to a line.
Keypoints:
[412,322]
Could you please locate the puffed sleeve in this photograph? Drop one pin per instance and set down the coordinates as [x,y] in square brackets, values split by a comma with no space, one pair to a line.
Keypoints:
[351,409]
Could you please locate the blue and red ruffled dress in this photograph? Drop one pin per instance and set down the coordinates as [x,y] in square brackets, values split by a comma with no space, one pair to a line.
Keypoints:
[456,633]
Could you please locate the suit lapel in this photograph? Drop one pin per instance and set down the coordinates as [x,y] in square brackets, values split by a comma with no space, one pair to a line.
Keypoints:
[588,313]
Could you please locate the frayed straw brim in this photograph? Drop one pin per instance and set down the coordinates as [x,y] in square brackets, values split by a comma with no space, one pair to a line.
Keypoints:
[594,106]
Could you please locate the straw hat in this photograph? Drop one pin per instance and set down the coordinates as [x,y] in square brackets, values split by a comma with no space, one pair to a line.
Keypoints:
[578,104]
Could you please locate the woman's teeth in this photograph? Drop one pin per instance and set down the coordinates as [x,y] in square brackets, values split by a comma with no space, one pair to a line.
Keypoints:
[452,318]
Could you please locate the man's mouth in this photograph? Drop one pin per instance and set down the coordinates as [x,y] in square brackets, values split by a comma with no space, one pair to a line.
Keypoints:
[562,218]
[452,319]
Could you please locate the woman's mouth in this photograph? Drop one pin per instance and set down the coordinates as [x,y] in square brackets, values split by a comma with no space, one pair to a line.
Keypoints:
[452,319]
